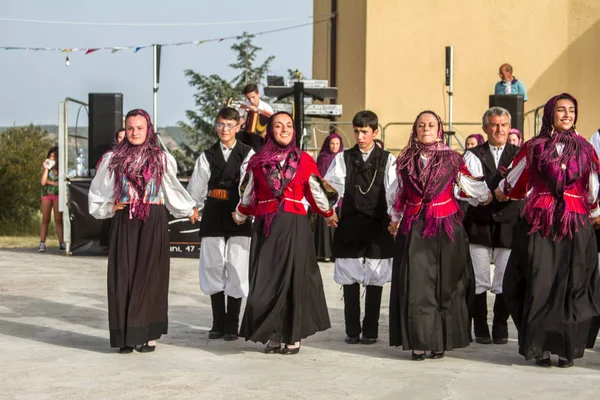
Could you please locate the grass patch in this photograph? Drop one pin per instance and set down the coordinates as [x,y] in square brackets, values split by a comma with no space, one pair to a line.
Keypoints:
[26,242]
[26,235]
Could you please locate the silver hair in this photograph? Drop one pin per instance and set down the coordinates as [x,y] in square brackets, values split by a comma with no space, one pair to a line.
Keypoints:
[494,111]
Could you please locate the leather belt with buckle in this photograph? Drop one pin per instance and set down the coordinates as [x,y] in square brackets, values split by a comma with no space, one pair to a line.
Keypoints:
[220,194]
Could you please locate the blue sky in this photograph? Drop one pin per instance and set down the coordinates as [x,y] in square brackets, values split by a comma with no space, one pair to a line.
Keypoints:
[32,83]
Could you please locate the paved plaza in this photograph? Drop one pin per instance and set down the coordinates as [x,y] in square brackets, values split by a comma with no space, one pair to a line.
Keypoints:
[54,345]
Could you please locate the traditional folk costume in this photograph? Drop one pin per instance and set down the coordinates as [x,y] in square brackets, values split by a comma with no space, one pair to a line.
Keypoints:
[145,178]
[432,280]
[225,245]
[362,246]
[551,283]
[490,230]
[323,232]
[286,301]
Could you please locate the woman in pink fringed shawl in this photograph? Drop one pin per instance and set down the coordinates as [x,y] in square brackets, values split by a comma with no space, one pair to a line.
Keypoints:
[133,184]
[432,275]
[551,284]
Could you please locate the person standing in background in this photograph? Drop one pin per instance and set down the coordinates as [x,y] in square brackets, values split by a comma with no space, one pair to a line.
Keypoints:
[332,145]
[49,184]
[508,83]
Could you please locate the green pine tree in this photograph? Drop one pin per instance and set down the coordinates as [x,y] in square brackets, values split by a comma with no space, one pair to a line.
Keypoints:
[212,92]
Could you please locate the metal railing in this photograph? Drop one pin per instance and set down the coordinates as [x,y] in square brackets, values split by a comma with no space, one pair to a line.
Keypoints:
[317,132]
[458,134]
[538,114]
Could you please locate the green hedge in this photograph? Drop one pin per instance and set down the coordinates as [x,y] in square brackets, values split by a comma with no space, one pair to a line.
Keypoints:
[22,152]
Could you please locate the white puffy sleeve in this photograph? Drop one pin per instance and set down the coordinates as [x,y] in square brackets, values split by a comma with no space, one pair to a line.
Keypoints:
[243,209]
[244,167]
[102,191]
[475,167]
[390,197]
[595,141]
[594,186]
[198,185]
[391,181]
[476,190]
[336,174]
[177,200]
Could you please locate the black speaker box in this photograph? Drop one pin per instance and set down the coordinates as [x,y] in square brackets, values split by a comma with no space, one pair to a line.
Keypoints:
[105,119]
[514,104]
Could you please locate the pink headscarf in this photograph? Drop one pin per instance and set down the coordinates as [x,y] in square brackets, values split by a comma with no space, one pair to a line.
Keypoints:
[517,132]
[269,159]
[326,157]
[138,164]
[476,136]
[429,180]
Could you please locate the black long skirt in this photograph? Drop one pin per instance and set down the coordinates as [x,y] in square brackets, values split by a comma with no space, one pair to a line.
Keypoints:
[432,284]
[286,302]
[552,291]
[138,277]
[323,238]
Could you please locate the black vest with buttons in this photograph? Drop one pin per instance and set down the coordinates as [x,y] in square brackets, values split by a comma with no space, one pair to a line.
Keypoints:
[493,225]
[216,216]
[362,230]
[364,189]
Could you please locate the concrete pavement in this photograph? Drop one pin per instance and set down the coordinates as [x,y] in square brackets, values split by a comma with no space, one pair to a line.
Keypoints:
[54,345]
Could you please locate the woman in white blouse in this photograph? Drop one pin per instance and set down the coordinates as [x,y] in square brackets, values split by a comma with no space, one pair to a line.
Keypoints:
[134,183]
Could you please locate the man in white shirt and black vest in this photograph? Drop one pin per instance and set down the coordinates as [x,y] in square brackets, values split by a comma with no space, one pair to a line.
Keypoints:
[362,245]
[224,252]
[253,104]
[491,228]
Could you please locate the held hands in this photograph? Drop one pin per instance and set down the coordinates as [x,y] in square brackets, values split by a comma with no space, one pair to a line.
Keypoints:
[596,222]
[236,220]
[500,196]
[489,199]
[333,220]
[393,227]
[118,207]
[195,216]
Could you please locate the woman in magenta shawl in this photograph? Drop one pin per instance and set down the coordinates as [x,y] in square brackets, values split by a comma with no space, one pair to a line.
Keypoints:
[551,284]
[332,145]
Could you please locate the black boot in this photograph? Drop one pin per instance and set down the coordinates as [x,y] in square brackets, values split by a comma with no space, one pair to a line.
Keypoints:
[482,331]
[500,322]
[217,301]
[232,319]
[352,312]
[371,320]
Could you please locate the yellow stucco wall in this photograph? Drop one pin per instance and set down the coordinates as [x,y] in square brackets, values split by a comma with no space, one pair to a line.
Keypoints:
[553,45]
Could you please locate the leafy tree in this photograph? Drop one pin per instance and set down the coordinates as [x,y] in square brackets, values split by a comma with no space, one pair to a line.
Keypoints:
[212,92]
[23,150]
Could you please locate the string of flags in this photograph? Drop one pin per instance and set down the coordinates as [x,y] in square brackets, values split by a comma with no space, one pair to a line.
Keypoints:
[89,50]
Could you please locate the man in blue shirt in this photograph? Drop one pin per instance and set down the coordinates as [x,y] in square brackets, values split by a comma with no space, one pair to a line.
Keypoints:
[509,84]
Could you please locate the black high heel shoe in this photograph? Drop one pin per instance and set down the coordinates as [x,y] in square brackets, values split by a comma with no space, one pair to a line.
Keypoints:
[436,356]
[146,348]
[562,363]
[287,351]
[126,350]
[543,362]
[418,357]
[272,350]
